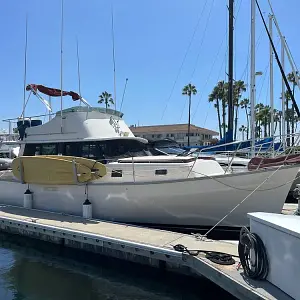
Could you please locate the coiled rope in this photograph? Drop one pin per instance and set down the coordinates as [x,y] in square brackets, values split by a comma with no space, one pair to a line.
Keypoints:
[253,255]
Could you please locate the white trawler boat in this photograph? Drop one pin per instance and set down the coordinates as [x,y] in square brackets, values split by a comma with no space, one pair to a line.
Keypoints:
[139,187]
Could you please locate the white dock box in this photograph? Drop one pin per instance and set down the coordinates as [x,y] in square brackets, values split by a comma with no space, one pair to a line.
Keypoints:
[281,237]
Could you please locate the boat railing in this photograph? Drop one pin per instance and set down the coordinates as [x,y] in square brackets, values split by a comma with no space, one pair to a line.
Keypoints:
[277,145]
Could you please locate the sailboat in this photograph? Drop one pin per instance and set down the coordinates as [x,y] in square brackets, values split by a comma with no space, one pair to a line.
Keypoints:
[138,187]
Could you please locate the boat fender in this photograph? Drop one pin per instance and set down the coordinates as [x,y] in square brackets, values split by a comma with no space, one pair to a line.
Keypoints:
[28,197]
[87,209]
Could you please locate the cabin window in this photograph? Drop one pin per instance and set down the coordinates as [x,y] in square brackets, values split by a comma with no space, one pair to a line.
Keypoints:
[116,173]
[40,149]
[161,172]
[71,149]
[90,150]
[32,149]
[49,149]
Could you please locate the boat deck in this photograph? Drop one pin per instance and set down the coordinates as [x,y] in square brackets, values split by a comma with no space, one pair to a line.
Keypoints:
[138,244]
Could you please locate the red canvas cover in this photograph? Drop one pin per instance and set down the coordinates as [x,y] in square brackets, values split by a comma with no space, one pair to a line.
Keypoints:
[262,162]
[51,91]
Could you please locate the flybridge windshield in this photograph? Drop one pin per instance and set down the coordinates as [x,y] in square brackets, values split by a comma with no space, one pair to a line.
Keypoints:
[90,109]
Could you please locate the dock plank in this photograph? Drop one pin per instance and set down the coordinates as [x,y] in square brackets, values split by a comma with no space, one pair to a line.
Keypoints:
[227,277]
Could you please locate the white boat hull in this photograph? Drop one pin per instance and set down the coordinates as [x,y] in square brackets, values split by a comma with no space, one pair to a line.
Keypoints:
[183,202]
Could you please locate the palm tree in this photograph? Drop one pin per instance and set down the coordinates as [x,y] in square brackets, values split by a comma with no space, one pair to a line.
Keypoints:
[279,121]
[291,78]
[276,119]
[258,118]
[238,88]
[243,129]
[214,96]
[106,98]
[189,90]
[245,105]
[222,91]
[264,116]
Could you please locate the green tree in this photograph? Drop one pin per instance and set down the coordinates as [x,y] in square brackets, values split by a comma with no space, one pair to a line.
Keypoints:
[222,92]
[189,90]
[245,105]
[107,99]
[264,116]
[258,118]
[277,120]
[214,97]
[239,88]
[243,129]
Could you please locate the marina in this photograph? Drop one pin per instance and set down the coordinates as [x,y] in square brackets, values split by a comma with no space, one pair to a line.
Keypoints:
[139,245]
[208,204]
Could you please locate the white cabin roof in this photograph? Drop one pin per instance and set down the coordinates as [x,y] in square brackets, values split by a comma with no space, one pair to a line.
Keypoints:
[81,123]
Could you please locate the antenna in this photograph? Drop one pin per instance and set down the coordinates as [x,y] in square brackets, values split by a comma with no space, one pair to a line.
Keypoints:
[61,65]
[78,71]
[25,69]
[113,49]
[50,107]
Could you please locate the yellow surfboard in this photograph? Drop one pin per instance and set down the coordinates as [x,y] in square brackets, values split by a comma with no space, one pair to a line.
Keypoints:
[47,170]
[98,169]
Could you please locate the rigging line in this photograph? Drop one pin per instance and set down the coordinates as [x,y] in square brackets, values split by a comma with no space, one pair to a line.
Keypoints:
[113,53]
[123,94]
[207,79]
[262,183]
[209,105]
[25,67]
[268,88]
[263,80]
[235,44]
[279,31]
[184,58]
[202,39]
[225,58]
[78,69]
[291,55]
[256,47]
[238,10]
[186,100]
[278,62]
[265,72]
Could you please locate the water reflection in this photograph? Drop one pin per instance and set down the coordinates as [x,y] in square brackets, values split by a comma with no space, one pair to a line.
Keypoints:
[31,273]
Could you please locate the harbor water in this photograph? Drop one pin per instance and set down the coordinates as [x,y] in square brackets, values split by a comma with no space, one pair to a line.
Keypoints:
[34,270]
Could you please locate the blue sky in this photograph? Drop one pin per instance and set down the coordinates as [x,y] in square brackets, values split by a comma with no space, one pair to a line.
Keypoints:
[151,40]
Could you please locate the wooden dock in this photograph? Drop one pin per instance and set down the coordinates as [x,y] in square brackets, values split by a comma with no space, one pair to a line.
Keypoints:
[139,245]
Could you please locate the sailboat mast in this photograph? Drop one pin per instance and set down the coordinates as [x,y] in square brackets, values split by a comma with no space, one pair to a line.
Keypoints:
[230,68]
[61,65]
[78,70]
[252,78]
[271,78]
[113,53]
[283,96]
[25,69]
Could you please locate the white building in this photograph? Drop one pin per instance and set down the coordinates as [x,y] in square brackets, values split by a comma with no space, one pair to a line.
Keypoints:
[178,132]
